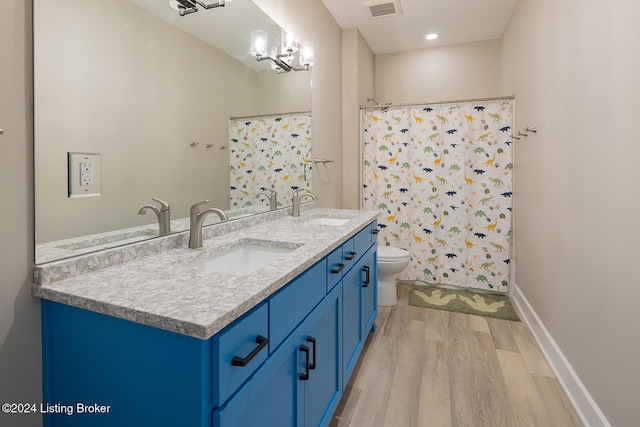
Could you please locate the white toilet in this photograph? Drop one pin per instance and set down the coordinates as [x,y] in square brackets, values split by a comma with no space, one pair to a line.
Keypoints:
[391,261]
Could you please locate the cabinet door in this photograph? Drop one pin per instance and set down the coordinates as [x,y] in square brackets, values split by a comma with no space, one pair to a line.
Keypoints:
[369,284]
[274,395]
[323,389]
[351,319]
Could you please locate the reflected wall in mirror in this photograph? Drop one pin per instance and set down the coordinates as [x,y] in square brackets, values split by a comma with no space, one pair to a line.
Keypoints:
[153,93]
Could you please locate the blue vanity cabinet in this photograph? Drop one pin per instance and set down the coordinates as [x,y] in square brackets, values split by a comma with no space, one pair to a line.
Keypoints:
[359,300]
[273,396]
[145,376]
[300,383]
[284,363]
[291,304]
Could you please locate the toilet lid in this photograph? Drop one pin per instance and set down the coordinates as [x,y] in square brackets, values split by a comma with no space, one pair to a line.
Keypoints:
[389,253]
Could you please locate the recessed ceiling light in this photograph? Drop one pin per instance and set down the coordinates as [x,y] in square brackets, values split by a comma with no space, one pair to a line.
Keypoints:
[431,36]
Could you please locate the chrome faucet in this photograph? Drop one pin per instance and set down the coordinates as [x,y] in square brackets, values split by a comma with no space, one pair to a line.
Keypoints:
[272,196]
[295,211]
[197,219]
[163,214]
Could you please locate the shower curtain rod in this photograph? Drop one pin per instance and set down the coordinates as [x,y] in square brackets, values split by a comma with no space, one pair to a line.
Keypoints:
[418,104]
[262,116]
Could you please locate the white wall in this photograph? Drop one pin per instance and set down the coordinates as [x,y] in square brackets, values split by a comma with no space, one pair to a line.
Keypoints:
[20,352]
[316,24]
[574,68]
[357,86]
[469,70]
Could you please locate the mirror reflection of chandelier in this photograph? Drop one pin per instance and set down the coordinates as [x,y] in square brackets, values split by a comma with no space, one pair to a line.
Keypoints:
[186,7]
[282,55]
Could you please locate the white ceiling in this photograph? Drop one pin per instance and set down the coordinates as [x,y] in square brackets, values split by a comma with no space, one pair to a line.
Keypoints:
[226,28]
[456,21]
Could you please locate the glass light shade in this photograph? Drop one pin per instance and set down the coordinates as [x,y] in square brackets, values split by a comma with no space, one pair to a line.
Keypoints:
[258,43]
[289,43]
[307,54]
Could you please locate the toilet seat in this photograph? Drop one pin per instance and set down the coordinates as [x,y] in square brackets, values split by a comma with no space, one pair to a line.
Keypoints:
[391,254]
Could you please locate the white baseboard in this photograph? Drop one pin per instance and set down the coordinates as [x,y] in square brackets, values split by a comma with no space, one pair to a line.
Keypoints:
[585,406]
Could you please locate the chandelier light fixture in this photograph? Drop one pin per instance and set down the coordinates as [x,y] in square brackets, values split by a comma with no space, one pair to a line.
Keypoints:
[282,55]
[186,7]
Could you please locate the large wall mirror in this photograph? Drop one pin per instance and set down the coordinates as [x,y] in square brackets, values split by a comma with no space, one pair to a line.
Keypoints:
[134,101]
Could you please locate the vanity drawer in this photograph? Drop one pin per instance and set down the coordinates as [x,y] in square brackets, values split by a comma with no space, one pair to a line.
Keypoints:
[292,303]
[374,232]
[349,256]
[335,267]
[362,242]
[238,350]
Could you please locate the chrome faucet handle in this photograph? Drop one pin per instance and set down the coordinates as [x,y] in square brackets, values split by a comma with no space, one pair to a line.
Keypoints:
[164,206]
[195,208]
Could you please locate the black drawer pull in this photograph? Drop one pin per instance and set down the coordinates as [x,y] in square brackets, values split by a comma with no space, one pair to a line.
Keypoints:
[375,231]
[239,361]
[305,376]
[337,270]
[367,278]
[312,340]
[351,256]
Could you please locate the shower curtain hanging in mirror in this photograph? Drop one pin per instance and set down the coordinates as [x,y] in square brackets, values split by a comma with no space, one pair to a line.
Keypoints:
[271,153]
[442,178]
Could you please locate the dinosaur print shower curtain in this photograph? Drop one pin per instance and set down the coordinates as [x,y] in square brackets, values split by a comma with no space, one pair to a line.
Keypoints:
[269,153]
[442,178]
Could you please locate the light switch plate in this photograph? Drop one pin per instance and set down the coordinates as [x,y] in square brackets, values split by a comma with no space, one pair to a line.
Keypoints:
[83,174]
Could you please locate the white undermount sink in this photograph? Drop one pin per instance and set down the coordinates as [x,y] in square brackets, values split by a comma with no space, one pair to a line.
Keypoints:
[329,221]
[244,257]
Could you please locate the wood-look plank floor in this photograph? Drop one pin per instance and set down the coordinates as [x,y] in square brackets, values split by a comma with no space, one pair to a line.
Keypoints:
[425,367]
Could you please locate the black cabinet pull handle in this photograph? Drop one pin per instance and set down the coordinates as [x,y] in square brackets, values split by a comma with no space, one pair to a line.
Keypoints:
[312,340]
[375,231]
[305,376]
[337,270]
[351,256]
[367,278]
[239,361]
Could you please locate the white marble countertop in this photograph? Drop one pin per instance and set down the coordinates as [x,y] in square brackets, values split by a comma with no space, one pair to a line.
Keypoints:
[166,290]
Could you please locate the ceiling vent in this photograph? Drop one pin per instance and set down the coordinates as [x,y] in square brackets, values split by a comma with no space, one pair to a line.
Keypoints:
[383,8]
